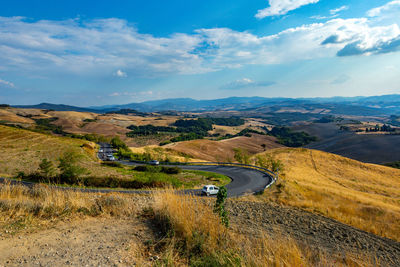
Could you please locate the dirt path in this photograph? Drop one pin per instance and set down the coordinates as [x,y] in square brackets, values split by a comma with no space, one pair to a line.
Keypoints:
[92,242]
[107,241]
[318,232]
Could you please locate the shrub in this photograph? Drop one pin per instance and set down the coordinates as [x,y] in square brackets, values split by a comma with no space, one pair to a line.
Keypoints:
[242,156]
[46,168]
[147,168]
[171,170]
[112,164]
[219,207]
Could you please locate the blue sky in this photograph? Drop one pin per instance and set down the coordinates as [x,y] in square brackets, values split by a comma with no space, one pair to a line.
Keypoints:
[113,52]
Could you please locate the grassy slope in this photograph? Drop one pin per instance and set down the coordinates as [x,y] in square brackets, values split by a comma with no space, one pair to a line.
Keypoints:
[366,196]
[23,150]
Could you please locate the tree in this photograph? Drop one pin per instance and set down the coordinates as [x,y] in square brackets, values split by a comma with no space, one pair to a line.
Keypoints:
[219,207]
[241,156]
[46,168]
[270,163]
[264,146]
[70,172]
[118,143]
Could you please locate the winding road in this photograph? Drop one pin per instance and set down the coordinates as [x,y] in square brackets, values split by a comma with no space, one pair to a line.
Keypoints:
[245,179]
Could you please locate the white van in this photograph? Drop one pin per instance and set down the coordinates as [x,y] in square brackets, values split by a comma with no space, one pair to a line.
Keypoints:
[209,190]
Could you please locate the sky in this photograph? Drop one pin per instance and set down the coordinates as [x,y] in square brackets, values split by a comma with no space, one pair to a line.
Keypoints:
[92,53]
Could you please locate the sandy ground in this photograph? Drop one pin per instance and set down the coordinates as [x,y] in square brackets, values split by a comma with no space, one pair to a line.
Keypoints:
[91,242]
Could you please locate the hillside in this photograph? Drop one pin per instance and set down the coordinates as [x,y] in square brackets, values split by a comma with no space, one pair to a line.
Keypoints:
[23,150]
[371,148]
[224,150]
[366,196]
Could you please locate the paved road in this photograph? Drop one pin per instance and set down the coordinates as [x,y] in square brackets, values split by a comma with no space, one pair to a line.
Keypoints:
[243,180]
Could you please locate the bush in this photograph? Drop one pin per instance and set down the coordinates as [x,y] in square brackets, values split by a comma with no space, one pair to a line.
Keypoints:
[147,168]
[219,207]
[171,170]
[46,168]
[163,143]
[112,164]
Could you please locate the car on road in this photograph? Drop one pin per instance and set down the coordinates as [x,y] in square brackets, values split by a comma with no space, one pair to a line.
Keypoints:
[110,157]
[210,190]
[154,162]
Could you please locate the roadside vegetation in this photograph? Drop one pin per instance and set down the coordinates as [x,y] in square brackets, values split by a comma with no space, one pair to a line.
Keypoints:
[194,235]
[23,208]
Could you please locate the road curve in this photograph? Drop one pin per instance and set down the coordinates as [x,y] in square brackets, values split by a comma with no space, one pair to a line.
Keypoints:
[243,180]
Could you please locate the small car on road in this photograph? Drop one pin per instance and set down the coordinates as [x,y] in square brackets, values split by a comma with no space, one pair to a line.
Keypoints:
[154,162]
[209,190]
[110,157]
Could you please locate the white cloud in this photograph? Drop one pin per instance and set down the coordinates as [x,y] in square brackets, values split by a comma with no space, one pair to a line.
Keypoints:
[334,13]
[338,10]
[6,83]
[131,94]
[245,83]
[99,47]
[388,7]
[281,7]
[121,74]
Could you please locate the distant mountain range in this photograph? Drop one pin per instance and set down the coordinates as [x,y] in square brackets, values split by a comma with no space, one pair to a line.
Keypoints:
[379,105]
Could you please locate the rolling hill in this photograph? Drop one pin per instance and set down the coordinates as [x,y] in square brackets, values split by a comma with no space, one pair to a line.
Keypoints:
[366,196]
[372,148]
[224,150]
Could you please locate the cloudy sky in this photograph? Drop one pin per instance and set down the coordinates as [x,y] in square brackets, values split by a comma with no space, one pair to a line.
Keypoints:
[113,52]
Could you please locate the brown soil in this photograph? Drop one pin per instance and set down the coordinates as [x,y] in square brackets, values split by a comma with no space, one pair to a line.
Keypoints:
[315,231]
[91,242]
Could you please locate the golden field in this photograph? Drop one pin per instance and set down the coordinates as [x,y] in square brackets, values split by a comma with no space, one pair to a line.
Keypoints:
[366,196]
[23,150]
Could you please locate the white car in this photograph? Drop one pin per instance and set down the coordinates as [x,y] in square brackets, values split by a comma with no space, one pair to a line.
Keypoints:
[154,162]
[209,190]
[110,158]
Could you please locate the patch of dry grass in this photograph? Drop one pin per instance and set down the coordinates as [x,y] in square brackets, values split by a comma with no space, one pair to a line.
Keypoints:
[197,238]
[366,196]
[23,150]
[23,208]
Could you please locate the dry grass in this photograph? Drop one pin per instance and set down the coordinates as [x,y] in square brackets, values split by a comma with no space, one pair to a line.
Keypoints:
[197,238]
[23,150]
[366,196]
[9,116]
[24,209]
